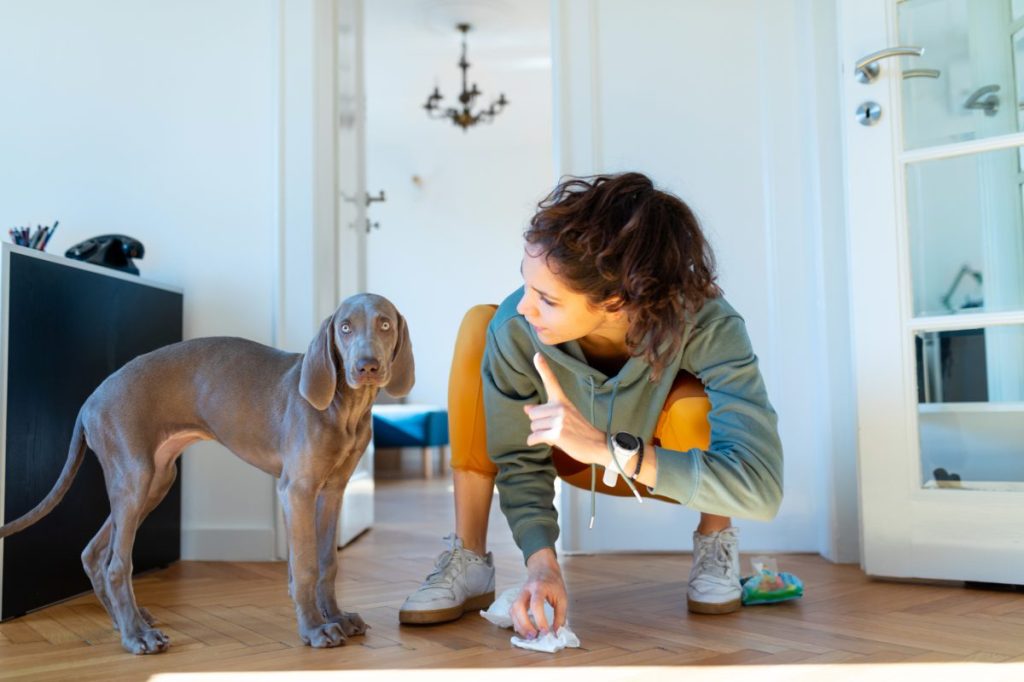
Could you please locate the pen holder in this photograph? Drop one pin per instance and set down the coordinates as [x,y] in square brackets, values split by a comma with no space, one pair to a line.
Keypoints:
[24,236]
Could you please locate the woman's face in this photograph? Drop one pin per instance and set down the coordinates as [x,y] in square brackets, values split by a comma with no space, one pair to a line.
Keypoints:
[557,313]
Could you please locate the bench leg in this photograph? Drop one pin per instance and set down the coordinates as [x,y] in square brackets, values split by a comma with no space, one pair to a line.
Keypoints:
[428,469]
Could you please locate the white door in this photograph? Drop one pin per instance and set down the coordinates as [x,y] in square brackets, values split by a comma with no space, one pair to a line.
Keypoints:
[936,238]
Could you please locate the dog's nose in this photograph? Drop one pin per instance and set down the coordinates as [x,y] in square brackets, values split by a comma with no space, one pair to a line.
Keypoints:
[368,367]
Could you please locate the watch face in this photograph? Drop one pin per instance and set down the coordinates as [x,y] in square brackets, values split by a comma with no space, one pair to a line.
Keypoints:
[627,441]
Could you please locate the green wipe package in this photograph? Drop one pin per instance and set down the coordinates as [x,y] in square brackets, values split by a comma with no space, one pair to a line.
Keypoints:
[767,585]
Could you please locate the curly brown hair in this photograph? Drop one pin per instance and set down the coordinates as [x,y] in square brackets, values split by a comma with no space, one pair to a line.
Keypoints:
[626,245]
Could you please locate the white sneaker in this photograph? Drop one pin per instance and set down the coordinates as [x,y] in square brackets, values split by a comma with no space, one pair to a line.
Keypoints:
[715,577]
[461,581]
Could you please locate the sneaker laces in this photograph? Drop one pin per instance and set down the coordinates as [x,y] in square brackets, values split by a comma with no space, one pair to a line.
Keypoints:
[439,576]
[715,556]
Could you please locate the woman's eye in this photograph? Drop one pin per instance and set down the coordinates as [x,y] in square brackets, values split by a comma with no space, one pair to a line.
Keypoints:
[545,302]
[346,328]
[386,326]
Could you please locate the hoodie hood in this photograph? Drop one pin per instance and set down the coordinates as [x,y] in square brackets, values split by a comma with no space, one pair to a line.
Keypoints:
[570,356]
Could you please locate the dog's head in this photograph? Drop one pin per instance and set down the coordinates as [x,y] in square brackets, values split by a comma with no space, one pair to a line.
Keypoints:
[364,343]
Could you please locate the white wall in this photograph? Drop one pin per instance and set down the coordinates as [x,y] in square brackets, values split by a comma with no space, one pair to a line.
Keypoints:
[718,103]
[162,120]
[456,239]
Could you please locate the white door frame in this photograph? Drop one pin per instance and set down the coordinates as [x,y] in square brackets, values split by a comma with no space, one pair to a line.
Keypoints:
[307,253]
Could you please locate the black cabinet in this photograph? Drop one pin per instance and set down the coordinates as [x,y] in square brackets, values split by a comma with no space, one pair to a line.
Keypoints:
[66,326]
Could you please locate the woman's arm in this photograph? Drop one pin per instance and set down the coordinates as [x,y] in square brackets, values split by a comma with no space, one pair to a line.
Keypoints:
[526,473]
[740,474]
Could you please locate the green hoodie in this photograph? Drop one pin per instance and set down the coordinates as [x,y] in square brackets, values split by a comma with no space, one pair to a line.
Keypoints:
[739,475]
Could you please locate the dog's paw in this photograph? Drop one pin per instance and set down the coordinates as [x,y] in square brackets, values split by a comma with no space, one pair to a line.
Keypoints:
[324,636]
[351,624]
[146,641]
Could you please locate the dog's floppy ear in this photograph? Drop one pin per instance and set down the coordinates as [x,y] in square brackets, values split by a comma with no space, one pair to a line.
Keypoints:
[403,370]
[319,378]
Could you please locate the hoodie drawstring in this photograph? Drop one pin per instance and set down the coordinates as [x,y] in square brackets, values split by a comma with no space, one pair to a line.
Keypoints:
[593,467]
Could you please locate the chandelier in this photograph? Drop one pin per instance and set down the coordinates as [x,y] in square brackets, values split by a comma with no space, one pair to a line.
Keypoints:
[464,117]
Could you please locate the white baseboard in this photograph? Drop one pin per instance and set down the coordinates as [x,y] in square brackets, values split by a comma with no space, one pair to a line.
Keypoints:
[227,544]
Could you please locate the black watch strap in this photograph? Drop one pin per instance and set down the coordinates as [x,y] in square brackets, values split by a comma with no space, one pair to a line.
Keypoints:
[639,460]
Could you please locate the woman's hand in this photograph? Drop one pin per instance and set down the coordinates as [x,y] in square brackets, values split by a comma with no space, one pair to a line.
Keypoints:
[558,422]
[544,583]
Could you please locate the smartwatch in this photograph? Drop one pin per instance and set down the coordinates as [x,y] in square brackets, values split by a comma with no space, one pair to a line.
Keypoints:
[624,446]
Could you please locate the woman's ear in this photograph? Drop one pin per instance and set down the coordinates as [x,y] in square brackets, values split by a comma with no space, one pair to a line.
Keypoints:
[319,378]
[403,370]
[613,307]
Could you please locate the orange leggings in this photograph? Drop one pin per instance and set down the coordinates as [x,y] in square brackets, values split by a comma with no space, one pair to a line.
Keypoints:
[683,423]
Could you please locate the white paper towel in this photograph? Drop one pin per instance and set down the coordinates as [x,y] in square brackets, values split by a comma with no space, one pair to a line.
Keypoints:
[498,613]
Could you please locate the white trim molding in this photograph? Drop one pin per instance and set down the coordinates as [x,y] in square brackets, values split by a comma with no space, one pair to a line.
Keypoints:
[306,268]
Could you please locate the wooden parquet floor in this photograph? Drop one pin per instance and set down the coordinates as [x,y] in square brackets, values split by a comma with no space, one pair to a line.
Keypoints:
[629,610]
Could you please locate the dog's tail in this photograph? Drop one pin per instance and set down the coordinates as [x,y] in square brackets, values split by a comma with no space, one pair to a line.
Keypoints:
[76,453]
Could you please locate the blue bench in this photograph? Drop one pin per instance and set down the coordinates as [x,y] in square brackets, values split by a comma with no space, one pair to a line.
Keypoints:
[412,426]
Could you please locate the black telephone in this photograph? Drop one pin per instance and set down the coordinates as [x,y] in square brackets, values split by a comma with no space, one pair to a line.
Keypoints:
[110,250]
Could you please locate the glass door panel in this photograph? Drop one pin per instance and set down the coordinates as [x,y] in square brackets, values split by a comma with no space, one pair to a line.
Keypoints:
[970,417]
[963,87]
[966,234]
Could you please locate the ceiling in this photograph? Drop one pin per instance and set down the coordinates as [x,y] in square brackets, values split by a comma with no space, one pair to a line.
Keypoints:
[499,27]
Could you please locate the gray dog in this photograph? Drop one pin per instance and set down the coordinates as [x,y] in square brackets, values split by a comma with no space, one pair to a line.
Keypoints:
[304,419]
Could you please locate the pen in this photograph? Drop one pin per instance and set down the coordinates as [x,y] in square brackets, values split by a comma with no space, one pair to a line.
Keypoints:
[50,234]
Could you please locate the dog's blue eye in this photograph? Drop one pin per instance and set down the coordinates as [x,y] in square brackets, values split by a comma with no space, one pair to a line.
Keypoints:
[345,329]
[386,326]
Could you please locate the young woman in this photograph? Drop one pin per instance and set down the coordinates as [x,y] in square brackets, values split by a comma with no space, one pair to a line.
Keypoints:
[619,352]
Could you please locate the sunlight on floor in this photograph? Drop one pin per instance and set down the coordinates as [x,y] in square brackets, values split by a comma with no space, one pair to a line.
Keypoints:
[905,672]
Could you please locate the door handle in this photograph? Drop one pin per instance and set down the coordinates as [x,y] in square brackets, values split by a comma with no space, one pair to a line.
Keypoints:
[866,68]
[984,98]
